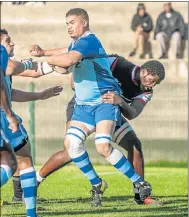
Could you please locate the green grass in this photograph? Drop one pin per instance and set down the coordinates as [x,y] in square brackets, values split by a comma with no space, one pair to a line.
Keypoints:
[67,194]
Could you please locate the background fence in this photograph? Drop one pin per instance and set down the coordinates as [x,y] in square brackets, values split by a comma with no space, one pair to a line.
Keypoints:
[162,126]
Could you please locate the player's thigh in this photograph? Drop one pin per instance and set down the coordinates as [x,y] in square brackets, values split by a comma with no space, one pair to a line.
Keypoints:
[106,117]
[16,139]
[7,156]
[23,156]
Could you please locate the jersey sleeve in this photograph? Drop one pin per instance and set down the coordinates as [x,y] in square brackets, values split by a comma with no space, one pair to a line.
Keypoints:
[3,58]
[145,97]
[88,47]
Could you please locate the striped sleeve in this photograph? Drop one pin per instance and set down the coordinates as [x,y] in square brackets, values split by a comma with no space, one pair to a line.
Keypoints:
[145,97]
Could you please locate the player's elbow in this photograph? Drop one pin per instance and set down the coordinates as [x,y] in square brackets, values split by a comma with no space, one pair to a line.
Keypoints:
[131,115]
[9,71]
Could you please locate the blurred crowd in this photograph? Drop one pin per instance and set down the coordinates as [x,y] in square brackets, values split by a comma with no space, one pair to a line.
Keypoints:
[169,26]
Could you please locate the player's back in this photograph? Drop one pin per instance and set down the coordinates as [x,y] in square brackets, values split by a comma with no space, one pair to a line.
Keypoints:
[3,65]
[92,75]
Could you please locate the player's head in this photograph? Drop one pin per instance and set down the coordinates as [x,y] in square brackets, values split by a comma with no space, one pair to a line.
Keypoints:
[7,42]
[151,73]
[77,21]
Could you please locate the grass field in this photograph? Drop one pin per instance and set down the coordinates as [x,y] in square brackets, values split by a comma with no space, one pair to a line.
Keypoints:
[67,194]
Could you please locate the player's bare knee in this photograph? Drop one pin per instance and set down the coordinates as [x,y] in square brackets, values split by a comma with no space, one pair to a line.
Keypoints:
[104,149]
[102,142]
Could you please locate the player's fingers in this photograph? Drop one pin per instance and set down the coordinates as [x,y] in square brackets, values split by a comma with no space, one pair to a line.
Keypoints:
[107,95]
[12,128]
[56,94]
[58,88]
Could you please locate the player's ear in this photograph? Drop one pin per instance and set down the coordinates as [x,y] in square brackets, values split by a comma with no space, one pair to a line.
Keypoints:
[85,23]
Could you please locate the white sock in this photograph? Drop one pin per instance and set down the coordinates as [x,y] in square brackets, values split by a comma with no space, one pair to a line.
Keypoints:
[39,178]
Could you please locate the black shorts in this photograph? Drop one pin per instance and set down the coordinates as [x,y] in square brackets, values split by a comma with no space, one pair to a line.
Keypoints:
[70,109]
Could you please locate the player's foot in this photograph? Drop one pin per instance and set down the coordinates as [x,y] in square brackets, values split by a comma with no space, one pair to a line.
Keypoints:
[17,199]
[148,201]
[144,190]
[97,192]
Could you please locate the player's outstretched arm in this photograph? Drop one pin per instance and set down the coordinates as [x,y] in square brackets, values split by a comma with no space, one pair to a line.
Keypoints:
[22,96]
[28,68]
[37,51]
[65,60]
[5,105]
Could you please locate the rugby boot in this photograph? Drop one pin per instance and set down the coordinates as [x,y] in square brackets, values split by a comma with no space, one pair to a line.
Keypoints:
[97,192]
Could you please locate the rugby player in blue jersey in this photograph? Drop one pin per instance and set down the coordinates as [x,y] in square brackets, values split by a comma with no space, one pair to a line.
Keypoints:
[87,60]
[19,140]
[8,161]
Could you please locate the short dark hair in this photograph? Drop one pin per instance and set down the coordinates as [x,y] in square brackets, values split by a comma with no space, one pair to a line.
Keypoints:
[78,12]
[4,32]
[155,67]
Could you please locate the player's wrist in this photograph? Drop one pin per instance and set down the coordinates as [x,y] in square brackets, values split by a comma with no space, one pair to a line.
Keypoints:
[122,101]
[28,64]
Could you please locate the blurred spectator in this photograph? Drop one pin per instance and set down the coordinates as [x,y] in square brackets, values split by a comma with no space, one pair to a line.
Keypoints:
[142,26]
[186,31]
[170,25]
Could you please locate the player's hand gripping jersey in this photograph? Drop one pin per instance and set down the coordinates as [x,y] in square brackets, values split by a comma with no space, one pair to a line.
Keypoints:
[92,75]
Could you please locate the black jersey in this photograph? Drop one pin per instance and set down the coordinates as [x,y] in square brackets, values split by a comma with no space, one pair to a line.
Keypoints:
[125,73]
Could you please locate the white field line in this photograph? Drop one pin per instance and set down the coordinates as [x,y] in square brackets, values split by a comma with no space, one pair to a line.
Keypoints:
[119,173]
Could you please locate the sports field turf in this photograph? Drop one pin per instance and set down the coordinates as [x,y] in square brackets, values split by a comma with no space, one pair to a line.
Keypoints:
[67,194]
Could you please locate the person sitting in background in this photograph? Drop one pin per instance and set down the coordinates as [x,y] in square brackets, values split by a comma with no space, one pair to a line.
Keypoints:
[169,25]
[142,25]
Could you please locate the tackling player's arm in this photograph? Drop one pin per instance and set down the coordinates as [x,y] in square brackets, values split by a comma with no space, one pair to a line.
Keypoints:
[133,110]
[129,111]
[22,96]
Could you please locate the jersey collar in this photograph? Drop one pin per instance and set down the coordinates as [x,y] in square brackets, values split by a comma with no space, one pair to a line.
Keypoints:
[74,41]
[134,75]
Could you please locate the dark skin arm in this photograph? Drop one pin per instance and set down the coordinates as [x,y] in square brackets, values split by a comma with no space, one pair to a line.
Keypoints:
[129,111]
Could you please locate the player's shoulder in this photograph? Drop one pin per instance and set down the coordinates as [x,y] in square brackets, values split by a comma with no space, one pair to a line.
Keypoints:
[3,51]
[3,58]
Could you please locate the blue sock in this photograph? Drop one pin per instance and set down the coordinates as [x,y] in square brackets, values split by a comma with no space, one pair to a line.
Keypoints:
[29,187]
[120,162]
[6,174]
[86,167]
